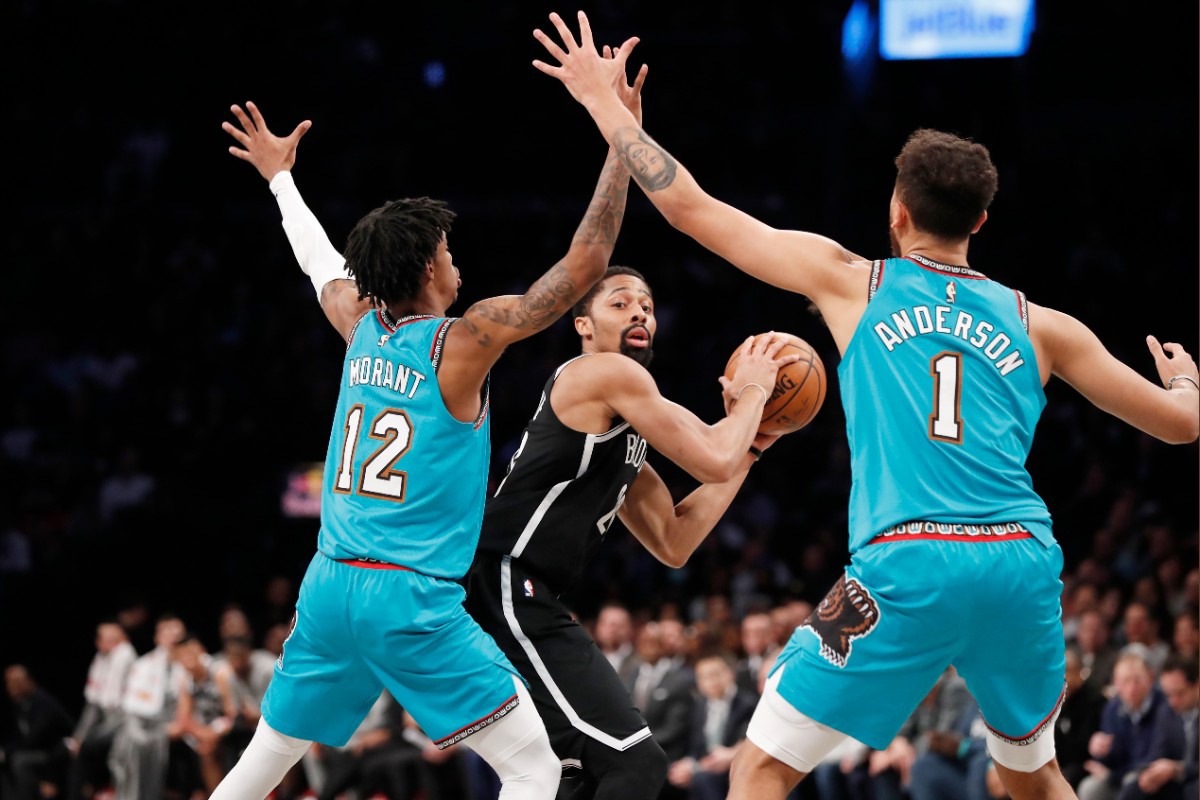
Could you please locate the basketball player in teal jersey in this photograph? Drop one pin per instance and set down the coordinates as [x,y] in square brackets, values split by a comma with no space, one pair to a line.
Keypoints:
[405,479]
[952,556]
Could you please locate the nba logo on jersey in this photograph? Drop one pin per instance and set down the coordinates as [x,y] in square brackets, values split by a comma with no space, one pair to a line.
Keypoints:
[528,588]
[951,292]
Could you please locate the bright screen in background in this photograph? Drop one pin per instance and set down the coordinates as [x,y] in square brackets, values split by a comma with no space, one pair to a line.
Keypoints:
[921,29]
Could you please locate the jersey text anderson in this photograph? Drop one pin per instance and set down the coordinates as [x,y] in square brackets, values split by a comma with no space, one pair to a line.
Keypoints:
[994,343]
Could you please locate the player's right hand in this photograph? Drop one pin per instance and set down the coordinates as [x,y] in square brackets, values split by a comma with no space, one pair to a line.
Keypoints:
[270,154]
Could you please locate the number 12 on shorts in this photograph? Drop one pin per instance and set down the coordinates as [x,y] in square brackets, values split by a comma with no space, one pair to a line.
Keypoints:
[379,477]
[945,423]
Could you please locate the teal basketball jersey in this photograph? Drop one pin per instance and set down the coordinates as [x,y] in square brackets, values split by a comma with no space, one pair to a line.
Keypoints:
[404,481]
[941,391]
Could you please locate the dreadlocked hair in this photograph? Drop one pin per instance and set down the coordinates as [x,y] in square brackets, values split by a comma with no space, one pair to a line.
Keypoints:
[388,249]
[584,305]
[946,181]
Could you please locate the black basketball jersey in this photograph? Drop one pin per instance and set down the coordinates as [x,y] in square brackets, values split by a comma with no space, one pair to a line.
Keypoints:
[561,494]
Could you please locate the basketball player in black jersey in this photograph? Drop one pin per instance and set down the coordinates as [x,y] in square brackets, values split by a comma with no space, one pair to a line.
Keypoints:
[581,463]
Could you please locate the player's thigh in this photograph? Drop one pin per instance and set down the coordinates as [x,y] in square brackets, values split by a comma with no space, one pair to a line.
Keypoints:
[321,687]
[873,647]
[433,657]
[577,692]
[1014,663]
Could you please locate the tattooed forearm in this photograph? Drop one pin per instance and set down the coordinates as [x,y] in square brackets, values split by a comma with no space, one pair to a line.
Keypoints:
[651,166]
[602,221]
[547,300]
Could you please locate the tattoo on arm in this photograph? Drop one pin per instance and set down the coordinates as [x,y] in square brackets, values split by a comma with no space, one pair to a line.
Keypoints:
[553,294]
[602,221]
[651,166]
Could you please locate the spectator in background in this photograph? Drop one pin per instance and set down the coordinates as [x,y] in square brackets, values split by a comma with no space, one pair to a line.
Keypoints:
[198,731]
[1186,635]
[1096,656]
[1174,777]
[242,674]
[1136,728]
[718,725]
[1082,706]
[34,755]
[757,647]
[102,715]
[614,636]
[955,762]
[1141,626]
[662,691]
[940,710]
[139,753]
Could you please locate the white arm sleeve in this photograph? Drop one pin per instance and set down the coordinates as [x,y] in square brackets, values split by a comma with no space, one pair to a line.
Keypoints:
[317,256]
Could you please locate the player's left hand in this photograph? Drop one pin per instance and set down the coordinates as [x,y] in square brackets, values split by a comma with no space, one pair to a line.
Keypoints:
[631,95]
[270,154]
[585,73]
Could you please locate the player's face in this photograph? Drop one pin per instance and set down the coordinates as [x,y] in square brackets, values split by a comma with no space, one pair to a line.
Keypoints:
[622,316]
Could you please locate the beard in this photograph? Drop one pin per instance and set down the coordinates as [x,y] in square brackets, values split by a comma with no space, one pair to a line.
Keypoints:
[642,355]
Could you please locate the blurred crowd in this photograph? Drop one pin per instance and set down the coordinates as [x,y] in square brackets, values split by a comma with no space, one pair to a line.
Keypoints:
[164,405]
[165,714]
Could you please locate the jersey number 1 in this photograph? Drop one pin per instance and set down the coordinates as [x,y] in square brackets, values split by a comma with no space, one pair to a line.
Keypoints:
[945,423]
[379,478]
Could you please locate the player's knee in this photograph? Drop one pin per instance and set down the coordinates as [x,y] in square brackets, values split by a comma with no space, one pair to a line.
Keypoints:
[534,768]
[647,761]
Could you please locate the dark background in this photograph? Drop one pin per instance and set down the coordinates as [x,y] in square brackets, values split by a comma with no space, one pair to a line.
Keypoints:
[154,316]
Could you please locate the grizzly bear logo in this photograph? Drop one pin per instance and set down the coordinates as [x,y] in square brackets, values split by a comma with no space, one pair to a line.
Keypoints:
[847,613]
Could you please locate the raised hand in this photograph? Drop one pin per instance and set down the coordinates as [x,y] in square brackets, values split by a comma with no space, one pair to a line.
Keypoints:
[585,73]
[270,154]
[631,95]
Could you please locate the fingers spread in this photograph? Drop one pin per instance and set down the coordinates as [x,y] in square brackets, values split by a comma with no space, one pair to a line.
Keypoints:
[565,32]
[550,45]
[257,117]
[245,122]
[235,133]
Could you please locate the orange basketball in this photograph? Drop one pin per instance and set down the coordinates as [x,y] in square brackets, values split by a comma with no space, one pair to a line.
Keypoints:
[799,388]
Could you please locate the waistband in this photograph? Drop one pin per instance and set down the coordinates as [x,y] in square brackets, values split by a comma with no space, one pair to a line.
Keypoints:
[370,563]
[952,531]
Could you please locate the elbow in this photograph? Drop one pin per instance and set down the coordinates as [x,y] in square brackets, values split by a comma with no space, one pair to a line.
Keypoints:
[675,560]
[717,471]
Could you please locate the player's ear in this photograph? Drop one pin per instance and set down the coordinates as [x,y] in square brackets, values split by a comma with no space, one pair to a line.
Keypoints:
[583,326]
[898,213]
[427,274]
[979,224]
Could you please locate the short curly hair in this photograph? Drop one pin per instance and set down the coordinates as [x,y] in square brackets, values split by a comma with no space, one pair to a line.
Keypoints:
[945,181]
[388,249]
[584,306]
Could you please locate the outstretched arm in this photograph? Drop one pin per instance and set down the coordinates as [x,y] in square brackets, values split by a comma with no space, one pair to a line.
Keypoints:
[1069,349]
[709,453]
[274,156]
[802,262]
[490,325]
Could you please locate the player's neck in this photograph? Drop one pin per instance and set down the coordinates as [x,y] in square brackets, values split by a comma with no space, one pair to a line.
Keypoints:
[418,306]
[954,256]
